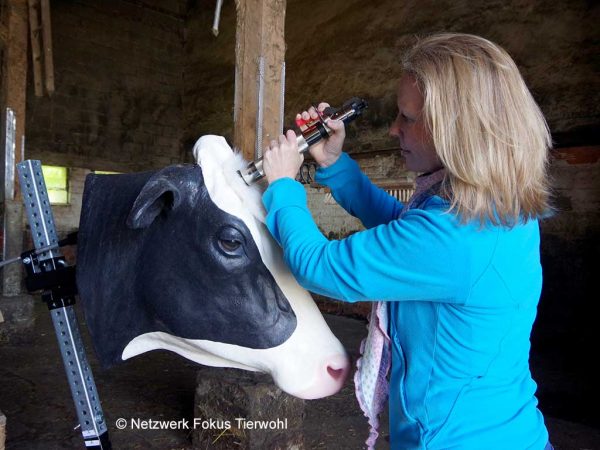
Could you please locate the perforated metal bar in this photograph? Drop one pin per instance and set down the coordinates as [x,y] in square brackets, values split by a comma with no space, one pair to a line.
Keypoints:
[37,206]
[78,371]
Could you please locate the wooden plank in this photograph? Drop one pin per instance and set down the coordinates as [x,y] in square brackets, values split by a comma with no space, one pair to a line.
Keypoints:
[36,51]
[16,70]
[15,85]
[260,35]
[47,40]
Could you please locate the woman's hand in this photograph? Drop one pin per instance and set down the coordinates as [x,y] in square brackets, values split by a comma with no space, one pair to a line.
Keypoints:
[282,159]
[327,151]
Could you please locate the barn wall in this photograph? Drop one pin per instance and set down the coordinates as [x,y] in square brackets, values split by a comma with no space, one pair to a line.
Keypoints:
[117,104]
[344,48]
[208,73]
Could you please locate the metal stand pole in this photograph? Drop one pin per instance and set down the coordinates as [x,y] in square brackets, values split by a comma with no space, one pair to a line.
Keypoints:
[48,271]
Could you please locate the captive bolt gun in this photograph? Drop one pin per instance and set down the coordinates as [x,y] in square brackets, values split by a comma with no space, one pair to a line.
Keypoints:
[311,132]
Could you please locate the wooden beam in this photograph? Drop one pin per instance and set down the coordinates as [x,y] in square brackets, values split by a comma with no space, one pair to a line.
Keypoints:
[259,74]
[47,39]
[36,48]
[15,85]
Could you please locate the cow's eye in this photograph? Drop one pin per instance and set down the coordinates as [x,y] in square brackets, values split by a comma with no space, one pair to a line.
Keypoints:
[229,245]
[231,241]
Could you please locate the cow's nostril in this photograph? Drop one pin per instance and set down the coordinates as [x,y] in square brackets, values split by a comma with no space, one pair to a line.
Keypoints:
[336,374]
[338,368]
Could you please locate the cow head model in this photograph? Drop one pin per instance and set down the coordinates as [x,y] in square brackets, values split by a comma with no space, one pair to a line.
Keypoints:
[181,260]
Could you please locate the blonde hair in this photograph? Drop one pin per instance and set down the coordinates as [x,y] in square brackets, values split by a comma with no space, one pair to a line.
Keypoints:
[486,128]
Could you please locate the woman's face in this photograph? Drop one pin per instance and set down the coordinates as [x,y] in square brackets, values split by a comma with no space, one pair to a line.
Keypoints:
[410,129]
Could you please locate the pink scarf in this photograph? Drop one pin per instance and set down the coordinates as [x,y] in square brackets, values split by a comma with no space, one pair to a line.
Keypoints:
[370,379]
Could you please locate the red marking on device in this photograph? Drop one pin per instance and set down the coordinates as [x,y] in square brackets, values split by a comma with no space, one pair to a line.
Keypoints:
[306,124]
[301,123]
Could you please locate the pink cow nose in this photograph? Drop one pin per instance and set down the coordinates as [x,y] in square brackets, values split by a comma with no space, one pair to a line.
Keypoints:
[333,372]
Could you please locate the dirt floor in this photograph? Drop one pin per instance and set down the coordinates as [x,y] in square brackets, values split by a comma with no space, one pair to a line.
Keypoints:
[160,386]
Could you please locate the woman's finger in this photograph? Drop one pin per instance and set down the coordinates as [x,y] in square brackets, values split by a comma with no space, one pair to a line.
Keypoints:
[291,136]
[335,125]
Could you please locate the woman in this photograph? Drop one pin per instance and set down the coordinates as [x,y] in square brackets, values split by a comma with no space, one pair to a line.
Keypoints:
[458,267]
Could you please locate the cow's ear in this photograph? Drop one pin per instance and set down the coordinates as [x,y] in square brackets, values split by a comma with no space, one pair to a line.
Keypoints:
[158,194]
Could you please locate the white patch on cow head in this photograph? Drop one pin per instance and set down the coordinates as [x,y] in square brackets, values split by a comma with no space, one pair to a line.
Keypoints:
[219,166]
[312,363]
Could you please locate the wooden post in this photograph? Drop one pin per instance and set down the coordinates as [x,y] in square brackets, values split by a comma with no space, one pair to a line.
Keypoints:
[36,48]
[15,95]
[47,39]
[259,74]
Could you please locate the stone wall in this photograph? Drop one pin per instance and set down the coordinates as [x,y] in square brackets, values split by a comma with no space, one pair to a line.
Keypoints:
[341,48]
[118,99]
[118,76]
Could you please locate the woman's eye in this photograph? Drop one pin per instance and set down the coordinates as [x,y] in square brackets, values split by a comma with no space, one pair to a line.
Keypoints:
[229,245]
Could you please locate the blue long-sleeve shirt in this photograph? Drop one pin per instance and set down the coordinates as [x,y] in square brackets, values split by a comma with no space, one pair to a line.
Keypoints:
[462,303]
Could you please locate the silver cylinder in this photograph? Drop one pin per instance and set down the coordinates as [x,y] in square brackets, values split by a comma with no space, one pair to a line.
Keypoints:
[255,172]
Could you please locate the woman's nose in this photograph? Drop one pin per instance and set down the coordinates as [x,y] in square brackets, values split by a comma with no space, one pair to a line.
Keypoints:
[394,129]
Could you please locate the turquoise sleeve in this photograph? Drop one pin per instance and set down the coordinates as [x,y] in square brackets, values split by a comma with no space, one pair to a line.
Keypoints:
[354,192]
[388,262]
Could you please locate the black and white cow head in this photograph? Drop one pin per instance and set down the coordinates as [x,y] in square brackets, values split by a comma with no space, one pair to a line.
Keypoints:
[180,259]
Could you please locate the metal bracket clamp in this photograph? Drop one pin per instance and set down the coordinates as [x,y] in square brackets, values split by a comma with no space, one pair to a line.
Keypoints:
[47,271]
